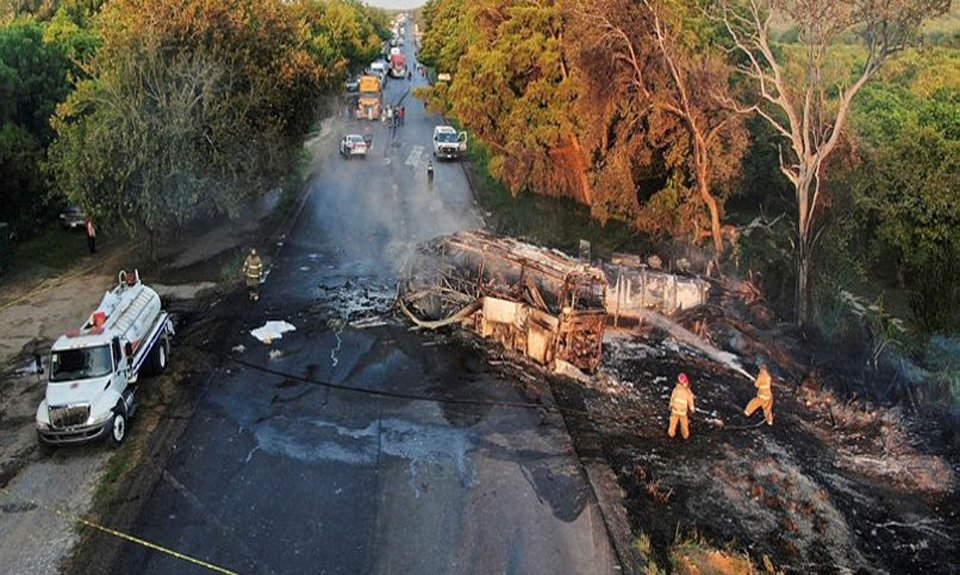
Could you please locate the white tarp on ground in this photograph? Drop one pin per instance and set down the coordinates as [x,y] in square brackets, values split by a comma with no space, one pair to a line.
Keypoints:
[272,330]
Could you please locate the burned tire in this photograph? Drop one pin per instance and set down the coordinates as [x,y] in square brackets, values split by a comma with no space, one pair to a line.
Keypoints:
[117,428]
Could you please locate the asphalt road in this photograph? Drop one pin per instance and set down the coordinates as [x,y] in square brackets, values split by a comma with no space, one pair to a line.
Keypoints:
[276,473]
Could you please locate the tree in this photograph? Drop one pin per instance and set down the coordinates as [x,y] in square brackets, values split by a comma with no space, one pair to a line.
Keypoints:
[910,148]
[810,109]
[514,87]
[444,38]
[664,50]
[343,34]
[33,80]
[190,108]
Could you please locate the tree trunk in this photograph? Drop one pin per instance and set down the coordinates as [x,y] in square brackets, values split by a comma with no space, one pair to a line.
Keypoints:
[804,256]
[714,217]
[805,209]
[703,186]
[586,188]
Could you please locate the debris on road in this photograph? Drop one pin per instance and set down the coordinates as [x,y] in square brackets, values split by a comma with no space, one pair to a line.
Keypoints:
[272,330]
[356,299]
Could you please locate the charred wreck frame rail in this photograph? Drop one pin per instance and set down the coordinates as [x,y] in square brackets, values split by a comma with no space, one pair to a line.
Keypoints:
[537,301]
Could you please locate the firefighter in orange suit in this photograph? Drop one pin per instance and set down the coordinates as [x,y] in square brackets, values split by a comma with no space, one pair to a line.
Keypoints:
[681,405]
[764,396]
[253,270]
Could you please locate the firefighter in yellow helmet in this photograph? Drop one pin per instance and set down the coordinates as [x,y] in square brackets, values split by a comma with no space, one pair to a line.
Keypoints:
[764,396]
[681,405]
[253,271]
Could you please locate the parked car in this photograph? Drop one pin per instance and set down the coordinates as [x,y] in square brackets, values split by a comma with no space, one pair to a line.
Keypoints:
[352,85]
[353,145]
[73,217]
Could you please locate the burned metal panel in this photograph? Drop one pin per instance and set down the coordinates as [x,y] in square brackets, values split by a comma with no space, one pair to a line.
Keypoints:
[580,339]
[635,289]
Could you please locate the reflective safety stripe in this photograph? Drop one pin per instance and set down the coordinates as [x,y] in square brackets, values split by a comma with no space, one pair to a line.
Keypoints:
[763,386]
[253,270]
[679,404]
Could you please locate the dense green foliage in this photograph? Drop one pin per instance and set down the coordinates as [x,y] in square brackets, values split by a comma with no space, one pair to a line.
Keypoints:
[445,40]
[162,111]
[905,184]
[33,74]
[189,109]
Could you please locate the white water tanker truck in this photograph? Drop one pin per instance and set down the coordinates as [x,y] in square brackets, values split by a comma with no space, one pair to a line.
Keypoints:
[94,371]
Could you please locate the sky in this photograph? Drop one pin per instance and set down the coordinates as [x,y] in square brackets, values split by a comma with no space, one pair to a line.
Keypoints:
[396,4]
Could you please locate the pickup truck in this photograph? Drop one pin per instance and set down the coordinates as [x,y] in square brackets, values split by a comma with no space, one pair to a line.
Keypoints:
[448,143]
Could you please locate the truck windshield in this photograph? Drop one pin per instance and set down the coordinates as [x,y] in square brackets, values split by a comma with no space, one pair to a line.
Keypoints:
[447,138]
[83,363]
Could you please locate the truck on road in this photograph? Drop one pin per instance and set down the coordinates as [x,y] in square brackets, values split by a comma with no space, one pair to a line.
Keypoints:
[368,103]
[398,66]
[448,143]
[94,372]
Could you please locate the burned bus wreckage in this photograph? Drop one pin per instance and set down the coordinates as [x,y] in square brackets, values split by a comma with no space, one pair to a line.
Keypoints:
[536,301]
[540,302]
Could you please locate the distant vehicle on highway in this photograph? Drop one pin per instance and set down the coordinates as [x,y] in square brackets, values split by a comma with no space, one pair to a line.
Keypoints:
[73,217]
[379,69]
[353,145]
[398,66]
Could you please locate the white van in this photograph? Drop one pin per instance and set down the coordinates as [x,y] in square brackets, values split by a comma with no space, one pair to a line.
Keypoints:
[379,68]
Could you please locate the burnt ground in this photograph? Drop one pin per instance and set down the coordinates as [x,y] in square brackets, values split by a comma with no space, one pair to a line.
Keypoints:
[834,486]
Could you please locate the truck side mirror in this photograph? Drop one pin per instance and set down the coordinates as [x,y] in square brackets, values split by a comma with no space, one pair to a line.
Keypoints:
[38,361]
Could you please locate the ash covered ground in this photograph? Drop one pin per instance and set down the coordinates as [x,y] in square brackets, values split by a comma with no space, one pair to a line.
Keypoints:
[835,485]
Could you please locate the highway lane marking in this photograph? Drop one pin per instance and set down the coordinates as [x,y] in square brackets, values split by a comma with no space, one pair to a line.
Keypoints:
[127,537]
[416,154]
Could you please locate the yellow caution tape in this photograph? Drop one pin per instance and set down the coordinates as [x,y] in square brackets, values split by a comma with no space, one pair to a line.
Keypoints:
[128,537]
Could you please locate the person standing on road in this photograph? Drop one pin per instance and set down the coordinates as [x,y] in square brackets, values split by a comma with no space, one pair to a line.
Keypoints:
[764,397]
[91,236]
[430,173]
[403,115]
[681,405]
[253,271]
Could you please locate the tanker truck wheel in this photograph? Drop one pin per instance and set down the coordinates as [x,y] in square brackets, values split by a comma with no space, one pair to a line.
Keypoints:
[160,356]
[118,426]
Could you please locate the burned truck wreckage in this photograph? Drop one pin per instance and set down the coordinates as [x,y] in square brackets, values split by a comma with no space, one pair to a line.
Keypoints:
[540,302]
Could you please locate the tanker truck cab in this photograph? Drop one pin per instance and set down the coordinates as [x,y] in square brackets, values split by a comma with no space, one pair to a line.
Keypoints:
[94,371]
